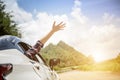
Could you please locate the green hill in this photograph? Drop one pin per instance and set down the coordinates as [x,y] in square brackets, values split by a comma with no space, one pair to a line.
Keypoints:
[67,54]
[69,57]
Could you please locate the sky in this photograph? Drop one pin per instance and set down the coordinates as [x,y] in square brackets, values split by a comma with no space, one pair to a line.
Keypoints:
[92,26]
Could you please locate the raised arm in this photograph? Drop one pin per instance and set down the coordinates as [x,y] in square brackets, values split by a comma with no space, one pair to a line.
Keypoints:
[55,28]
[37,47]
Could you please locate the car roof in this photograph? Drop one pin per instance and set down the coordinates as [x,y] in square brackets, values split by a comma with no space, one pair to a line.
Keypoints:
[13,42]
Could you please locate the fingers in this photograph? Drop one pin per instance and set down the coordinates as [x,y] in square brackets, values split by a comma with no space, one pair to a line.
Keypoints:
[62,27]
[58,27]
[54,23]
[61,24]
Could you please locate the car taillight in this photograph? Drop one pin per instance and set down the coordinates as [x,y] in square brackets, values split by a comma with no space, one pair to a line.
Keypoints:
[5,69]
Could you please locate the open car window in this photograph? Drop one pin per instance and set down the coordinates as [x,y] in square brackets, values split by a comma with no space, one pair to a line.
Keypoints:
[25,47]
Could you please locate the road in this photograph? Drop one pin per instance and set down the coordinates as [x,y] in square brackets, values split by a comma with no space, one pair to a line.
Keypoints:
[81,75]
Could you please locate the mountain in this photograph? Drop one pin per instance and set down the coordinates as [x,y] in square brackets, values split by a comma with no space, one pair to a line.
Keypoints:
[70,57]
[67,54]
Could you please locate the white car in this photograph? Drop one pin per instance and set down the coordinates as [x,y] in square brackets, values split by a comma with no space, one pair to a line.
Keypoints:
[14,65]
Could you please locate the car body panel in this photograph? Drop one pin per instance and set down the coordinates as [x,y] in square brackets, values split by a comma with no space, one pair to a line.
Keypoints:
[12,56]
[25,68]
[21,65]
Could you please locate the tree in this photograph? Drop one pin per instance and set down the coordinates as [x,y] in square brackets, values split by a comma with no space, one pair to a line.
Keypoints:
[7,25]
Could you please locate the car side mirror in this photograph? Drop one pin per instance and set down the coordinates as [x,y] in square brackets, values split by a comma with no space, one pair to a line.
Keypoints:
[53,62]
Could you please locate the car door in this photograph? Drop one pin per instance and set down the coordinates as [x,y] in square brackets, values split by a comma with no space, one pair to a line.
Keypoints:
[23,69]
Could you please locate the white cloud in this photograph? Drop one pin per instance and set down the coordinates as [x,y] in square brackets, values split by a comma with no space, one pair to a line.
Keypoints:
[77,14]
[39,27]
[20,15]
[102,38]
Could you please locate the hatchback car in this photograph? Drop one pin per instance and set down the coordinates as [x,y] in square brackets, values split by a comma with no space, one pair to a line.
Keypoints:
[15,65]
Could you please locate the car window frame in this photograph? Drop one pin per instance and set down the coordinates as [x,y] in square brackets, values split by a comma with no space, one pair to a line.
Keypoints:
[25,47]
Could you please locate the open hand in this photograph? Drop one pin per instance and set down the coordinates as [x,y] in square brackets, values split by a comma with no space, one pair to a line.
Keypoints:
[58,27]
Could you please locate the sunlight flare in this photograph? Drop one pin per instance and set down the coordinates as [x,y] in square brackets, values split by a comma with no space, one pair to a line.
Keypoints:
[98,57]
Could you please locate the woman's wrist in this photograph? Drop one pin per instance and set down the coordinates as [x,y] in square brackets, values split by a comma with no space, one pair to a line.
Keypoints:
[52,31]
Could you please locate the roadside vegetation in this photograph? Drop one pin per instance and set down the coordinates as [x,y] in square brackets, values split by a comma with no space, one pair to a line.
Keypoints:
[70,59]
